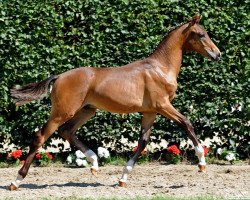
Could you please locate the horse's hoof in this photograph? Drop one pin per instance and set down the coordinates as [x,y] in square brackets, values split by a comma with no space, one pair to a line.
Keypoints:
[94,172]
[122,184]
[12,187]
[202,168]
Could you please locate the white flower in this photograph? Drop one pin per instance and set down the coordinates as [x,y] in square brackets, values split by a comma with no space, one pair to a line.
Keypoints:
[69,159]
[81,162]
[41,150]
[233,109]
[230,157]
[85,163]
[236,107]
[102,152]
[79,154]
[219,151]
[191,107]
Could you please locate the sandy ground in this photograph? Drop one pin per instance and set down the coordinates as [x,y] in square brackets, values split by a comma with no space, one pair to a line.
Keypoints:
[229,181]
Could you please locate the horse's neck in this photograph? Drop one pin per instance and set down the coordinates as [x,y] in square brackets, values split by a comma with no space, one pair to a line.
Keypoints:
[169,52]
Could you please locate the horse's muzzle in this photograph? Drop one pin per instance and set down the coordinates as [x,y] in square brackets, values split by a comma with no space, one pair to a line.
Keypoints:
[215,56]
[218,56]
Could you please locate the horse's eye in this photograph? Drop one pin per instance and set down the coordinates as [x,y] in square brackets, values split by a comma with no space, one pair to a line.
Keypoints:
[201,35]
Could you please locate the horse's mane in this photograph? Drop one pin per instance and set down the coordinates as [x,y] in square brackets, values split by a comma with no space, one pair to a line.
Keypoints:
[167,34]
[173,28]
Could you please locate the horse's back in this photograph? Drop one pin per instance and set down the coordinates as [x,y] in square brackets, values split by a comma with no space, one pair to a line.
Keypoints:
[116,89]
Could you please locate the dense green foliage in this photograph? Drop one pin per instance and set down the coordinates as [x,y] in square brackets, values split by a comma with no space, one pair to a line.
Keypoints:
[38,38]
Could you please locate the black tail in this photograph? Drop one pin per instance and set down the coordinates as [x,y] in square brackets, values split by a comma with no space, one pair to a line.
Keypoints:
[32,91]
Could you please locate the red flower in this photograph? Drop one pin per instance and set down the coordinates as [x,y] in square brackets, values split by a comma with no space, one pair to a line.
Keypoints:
[135,149]
[173,149]
[38,156]
[206,150]
[49,155]
[16,154]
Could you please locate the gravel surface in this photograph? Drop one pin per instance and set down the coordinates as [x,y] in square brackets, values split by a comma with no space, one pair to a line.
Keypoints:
[229,181]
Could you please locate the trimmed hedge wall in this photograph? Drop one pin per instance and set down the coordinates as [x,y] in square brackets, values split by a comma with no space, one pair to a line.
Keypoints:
[39,38]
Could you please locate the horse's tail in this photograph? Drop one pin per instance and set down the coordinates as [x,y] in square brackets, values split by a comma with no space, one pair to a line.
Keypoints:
[32,91]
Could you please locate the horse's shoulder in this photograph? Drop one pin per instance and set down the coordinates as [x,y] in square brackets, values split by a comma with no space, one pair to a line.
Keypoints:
[165,78]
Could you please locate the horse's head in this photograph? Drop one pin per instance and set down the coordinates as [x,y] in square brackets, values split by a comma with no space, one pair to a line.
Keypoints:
[198,40]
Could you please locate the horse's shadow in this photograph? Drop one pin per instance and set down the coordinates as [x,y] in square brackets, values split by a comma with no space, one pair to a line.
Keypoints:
[176,186]
[70,184]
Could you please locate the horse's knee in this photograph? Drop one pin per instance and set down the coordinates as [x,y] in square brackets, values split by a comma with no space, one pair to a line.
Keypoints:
[146,136]
[38,139]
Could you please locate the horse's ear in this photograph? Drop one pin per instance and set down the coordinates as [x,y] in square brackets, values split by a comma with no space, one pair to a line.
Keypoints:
[195,19]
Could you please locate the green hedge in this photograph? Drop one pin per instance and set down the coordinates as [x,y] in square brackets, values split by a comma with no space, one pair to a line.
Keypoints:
[39,38]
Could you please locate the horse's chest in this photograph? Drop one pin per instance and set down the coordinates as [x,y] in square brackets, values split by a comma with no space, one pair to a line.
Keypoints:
[170,83]
[167,84]
[165,81]
[161,88]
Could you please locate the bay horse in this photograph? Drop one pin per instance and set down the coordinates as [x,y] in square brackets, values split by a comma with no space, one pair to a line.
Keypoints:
[147,86]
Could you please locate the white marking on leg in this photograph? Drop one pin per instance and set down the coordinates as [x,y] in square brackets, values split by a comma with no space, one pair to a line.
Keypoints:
[199,151]
[18,180]
[126,170]
[92,157]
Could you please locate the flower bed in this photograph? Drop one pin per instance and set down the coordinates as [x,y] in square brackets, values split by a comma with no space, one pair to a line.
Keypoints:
[171,155]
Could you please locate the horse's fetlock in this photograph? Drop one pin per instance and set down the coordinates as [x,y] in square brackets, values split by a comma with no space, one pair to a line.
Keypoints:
[128,168]
[92,157]
[199,151]
[15,184]
[22,173]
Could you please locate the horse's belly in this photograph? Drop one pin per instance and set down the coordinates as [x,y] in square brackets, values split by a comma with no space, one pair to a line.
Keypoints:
[117,103]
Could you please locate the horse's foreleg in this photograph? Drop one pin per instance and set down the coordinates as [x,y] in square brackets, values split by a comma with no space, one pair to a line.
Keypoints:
[147,122]
[67,131]
[170,112]
[40,137]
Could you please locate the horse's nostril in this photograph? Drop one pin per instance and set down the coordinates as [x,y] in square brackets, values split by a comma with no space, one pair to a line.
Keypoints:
[219,55]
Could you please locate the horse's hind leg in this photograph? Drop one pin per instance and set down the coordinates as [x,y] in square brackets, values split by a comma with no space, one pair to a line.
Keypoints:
[67,131]
[40,137]
[147,122]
